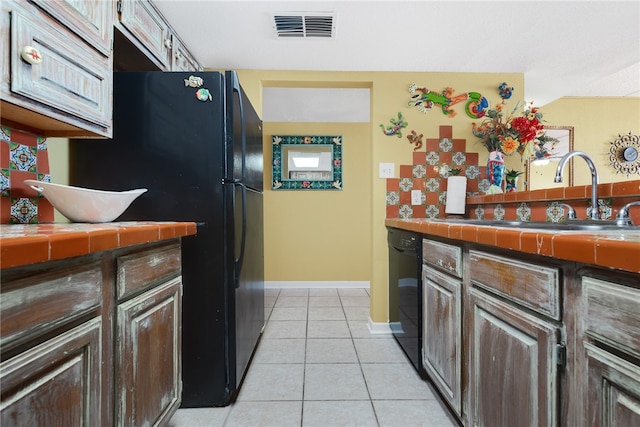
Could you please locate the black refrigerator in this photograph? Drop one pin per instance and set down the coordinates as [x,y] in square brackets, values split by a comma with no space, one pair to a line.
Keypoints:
[195,142]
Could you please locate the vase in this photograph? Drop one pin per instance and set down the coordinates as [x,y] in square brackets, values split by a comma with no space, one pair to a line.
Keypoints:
[512,184]
[495,169]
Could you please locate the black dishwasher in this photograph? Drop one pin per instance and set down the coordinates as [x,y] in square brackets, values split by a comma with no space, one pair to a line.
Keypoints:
[405,292]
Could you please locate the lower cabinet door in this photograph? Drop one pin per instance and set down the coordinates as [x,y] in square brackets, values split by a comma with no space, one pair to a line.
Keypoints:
[148,364]
[442,334]
[514,375]
[613,389]
[56,383]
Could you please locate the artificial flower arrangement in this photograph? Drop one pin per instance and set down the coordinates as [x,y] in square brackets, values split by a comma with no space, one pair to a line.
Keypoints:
[514,133]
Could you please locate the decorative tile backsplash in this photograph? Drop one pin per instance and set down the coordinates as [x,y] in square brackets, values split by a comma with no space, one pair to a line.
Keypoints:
[425,175]
[23,156]
[537,205]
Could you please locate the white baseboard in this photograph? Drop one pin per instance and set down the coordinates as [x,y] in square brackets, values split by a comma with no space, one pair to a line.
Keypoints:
[378,328]
[317,284]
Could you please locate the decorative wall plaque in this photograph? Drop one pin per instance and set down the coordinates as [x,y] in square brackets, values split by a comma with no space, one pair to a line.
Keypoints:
[623,154]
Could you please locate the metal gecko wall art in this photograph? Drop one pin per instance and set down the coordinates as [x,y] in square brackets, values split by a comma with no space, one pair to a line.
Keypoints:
[424,100]
[505,90]
[396,126]
[415,139]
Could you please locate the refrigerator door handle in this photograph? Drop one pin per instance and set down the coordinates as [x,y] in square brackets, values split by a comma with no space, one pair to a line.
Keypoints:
[243,135]
[238,261]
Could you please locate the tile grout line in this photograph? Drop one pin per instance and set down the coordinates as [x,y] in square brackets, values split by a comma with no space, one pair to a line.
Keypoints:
[304,362]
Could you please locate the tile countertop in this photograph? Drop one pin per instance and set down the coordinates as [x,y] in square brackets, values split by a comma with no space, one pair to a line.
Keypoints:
[22,244]
[610,248]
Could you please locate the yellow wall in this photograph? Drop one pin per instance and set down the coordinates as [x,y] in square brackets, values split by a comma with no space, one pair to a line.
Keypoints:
[347,237]
[596,122]
[321,235]
[58,149]
[389,95]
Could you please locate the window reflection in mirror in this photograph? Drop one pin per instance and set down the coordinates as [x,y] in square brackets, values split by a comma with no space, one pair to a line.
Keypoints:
[307,162]
[540,174]
[313,162]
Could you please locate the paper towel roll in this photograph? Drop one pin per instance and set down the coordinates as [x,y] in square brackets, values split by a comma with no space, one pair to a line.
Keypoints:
[456,194]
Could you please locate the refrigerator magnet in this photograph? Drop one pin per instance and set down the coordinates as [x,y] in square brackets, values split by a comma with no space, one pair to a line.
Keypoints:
[193,81]
[203,95]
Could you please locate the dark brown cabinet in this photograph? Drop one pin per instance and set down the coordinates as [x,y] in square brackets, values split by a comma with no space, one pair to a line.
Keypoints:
[442,318]
[148,356]
[54,344]
[516,339]
[513,371]
[93,340]
[609,355]
[57,382]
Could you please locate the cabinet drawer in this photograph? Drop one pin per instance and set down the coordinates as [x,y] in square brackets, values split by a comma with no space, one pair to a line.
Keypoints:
[90,19]
[36,304]
[73,78]
[140,270]
[531,285]
[443,256]
[612,314]
[57,382]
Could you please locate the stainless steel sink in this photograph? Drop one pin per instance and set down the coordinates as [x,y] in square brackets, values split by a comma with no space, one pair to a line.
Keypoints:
[577,224]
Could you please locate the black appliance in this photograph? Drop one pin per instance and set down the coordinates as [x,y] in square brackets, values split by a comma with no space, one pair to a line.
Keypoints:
[195,142]
[405,293]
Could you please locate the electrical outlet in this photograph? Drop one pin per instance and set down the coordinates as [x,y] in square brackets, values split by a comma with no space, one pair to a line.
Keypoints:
[416,197]
[386,170]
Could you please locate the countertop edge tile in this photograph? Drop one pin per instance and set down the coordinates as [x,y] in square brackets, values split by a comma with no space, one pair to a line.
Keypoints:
[17,251]
[68,245]
[611,249]
[23,244]
[617,252]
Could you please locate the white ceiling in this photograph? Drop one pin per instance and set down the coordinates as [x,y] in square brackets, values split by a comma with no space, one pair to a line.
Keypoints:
[564,48]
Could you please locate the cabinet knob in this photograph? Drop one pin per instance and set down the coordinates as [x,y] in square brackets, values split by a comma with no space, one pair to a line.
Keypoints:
[178,55]
[167,43]
[31,55]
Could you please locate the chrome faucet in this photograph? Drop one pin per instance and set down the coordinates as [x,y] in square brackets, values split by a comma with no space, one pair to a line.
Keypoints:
[623,214]
[571,213]
[594,178]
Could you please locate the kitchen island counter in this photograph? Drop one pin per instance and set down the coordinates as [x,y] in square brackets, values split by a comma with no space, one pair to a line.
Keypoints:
[23,244]
[608,248]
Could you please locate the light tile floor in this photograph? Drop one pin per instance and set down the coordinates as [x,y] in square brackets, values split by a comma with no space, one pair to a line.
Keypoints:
[318,365]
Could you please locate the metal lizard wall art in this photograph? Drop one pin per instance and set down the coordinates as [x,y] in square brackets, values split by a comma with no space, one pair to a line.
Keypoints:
[415,139]
[396,126]
[424,99]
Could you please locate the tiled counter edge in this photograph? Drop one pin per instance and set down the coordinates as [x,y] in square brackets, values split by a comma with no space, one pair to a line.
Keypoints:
[612,249]
[23,244]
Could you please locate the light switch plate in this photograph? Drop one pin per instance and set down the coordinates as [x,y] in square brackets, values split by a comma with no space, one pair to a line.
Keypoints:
[416,197]
[386,170]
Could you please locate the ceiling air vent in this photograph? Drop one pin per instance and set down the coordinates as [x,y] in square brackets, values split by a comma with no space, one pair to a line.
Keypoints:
[297,24]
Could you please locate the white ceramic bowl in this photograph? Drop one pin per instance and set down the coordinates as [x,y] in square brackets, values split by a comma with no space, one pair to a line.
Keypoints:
[84,204]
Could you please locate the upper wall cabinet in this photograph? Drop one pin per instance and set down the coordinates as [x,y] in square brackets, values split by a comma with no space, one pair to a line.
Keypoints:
[91,20]
[56,77]
[181,58]
[145,27]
